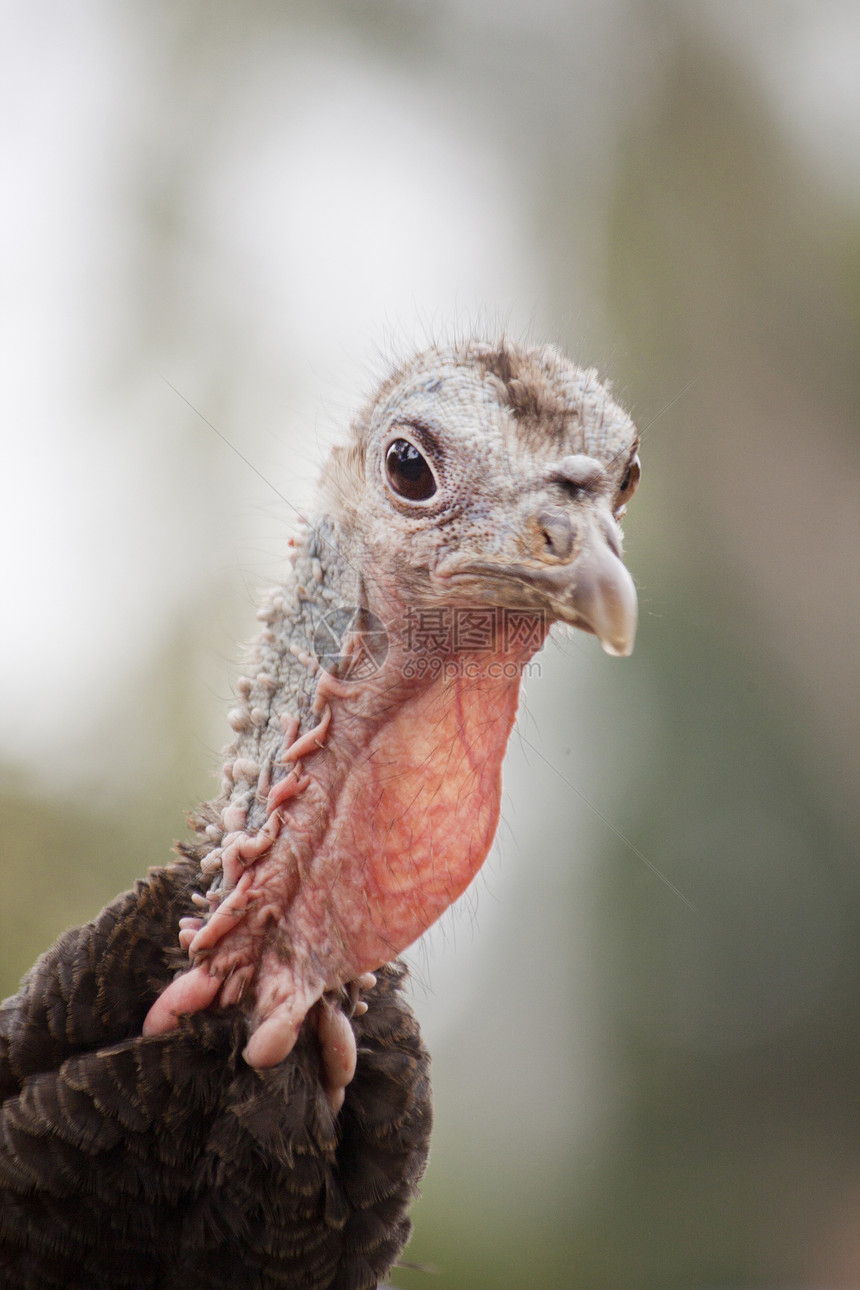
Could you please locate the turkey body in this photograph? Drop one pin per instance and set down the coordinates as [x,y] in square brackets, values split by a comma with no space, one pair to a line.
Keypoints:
[193,1094]
[168,1161]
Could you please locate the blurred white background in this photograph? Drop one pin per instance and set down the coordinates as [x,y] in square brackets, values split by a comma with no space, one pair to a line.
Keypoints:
[219,224]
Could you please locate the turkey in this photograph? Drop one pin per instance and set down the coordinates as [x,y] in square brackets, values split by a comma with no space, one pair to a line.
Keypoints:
[218,1082]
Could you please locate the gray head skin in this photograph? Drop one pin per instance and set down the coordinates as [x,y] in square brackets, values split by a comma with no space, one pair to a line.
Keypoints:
[476,501]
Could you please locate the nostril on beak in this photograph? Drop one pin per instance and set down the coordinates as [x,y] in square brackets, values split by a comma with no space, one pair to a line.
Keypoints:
[557,532]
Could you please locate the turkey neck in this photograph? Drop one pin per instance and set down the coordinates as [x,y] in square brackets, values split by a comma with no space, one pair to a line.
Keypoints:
[420,723]
[357,802]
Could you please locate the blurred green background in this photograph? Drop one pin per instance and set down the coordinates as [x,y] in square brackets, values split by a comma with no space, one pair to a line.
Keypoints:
[218,220]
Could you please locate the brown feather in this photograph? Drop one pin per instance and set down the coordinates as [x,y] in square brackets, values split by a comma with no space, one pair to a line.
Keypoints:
[168,1162]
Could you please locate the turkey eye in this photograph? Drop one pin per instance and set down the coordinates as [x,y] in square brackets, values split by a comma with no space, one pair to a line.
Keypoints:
[408,472]
[628,485]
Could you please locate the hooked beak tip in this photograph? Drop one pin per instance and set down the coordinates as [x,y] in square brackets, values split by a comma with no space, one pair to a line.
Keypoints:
[603,596]
[617,649]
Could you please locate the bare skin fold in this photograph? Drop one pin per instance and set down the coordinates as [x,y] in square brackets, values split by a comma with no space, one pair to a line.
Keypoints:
[476,501]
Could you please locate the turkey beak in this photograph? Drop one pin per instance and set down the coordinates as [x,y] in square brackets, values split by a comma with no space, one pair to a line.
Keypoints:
[599,595]
[573,573]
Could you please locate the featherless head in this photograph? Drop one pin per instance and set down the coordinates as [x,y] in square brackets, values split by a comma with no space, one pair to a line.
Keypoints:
[492,475]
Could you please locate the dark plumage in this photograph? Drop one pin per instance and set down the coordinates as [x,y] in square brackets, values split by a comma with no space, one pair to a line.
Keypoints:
[168,1162]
